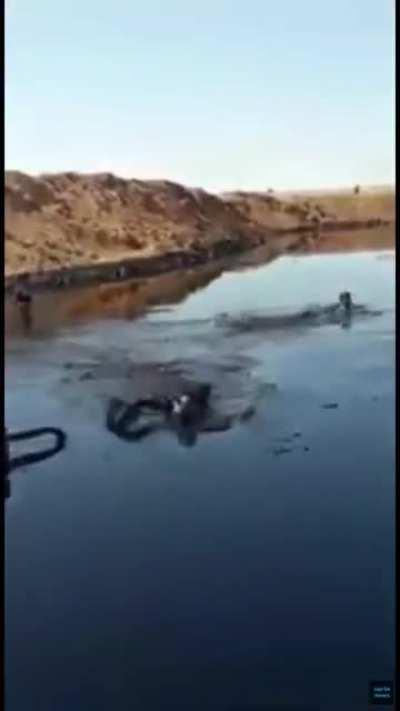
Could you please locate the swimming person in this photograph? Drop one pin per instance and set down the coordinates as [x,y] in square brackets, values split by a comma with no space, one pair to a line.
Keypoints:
[338,313]
[23,294]
[346,301]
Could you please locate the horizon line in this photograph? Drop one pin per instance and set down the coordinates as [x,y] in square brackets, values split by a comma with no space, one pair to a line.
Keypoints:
[328,189]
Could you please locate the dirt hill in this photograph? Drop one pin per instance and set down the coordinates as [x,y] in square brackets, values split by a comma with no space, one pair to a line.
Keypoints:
[71,219]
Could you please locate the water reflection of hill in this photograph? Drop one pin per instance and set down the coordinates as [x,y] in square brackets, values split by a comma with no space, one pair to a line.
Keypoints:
[355,241]
[124,300]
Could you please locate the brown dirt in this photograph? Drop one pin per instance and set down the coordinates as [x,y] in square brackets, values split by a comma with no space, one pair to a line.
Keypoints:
[70,219]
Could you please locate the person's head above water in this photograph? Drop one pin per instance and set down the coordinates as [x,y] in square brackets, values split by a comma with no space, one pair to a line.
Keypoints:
[191,406]
[346,300]
[199,393]
[23,294]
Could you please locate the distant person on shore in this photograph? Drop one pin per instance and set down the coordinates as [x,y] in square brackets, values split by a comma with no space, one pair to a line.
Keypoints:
[62,278]
[120,272]
[24,299]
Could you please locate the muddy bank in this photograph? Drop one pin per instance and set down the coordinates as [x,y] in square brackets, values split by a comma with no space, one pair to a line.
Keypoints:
[145,267]
[299,239]
[84,225]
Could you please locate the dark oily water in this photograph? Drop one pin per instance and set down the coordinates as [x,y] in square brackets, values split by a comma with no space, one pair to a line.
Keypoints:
[254,567]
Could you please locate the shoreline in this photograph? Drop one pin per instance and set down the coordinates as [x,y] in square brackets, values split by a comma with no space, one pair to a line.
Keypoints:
[77,228]
[96,294]
[115,270]
[150,266]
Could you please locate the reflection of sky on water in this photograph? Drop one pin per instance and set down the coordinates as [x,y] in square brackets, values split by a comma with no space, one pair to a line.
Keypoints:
[292,282]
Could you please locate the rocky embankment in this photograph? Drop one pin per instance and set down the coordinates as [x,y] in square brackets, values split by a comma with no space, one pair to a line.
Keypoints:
[70,221]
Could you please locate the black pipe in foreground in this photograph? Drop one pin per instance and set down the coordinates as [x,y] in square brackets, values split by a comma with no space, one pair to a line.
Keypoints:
[11,463]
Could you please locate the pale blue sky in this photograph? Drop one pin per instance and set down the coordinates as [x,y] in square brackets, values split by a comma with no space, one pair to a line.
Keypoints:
[219,94]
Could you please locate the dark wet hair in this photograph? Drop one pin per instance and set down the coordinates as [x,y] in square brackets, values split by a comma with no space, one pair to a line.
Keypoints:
[22,296]
[199,393]
[345,299]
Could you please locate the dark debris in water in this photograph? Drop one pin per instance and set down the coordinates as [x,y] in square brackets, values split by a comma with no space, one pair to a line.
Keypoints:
[248,413]
[86,376]
[289,438]
[278,451]
[330,406]
[288,444]
[78,365]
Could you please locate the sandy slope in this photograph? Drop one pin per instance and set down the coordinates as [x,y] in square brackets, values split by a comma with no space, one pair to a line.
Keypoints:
[69,219]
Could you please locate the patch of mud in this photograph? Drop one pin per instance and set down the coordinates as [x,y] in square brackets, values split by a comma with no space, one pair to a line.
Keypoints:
[236,390]
[104,376]
[236,393]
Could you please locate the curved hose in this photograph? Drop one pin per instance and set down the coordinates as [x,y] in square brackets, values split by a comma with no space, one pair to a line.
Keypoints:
[130,413]
[121,415]
[32,457]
